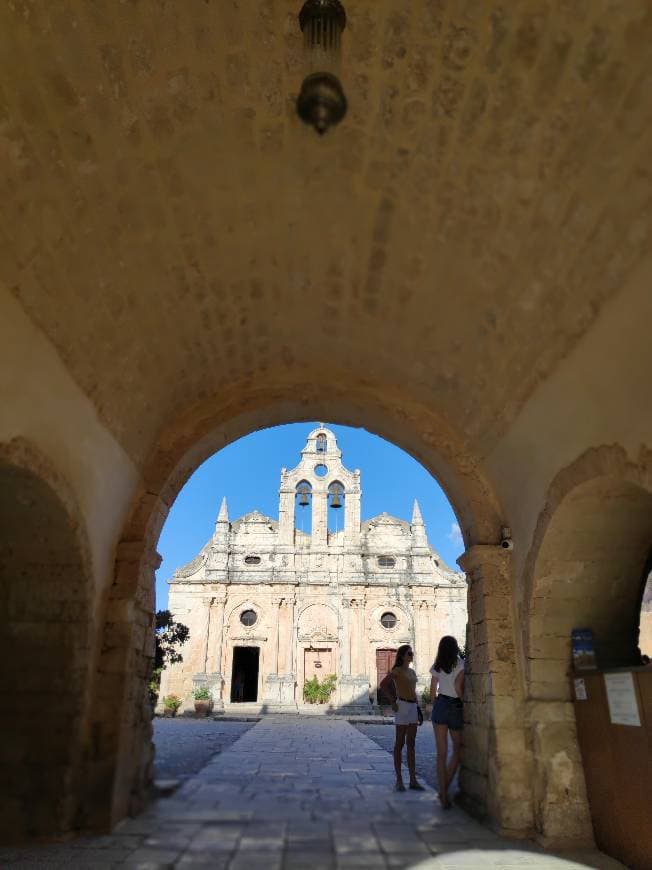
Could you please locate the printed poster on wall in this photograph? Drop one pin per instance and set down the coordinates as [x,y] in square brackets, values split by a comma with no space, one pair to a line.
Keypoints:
[623,703]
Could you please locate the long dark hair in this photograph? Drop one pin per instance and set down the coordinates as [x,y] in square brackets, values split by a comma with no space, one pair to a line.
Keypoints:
[447,654]
[400,654]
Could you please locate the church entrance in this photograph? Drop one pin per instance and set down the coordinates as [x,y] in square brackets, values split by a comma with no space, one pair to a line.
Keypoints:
[318,663]
[244,675]
[384,663]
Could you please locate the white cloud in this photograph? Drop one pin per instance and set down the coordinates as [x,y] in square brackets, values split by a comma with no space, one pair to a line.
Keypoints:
[455,534]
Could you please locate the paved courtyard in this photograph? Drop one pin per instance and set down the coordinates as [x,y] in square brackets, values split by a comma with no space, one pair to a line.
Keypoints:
[383,736]
[184,745]
[296,793]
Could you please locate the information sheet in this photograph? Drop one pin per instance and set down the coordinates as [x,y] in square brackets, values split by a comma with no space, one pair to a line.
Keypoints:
[621,695]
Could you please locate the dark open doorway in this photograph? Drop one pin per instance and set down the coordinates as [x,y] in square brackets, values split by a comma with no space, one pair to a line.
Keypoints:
[244,676]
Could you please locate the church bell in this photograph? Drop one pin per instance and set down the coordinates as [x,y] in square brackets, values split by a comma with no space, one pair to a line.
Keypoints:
[336,499]
[304,492]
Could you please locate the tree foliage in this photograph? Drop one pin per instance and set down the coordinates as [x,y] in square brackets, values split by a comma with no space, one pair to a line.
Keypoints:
[170,635]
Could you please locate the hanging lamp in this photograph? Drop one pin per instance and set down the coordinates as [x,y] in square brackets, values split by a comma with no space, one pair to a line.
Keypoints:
[321,101]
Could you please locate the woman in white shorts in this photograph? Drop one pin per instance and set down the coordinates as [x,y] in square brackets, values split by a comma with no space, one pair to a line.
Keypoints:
[400,685]
[447,711]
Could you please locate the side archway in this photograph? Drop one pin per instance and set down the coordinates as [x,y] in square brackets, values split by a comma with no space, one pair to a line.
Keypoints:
[46,627]
[591,548]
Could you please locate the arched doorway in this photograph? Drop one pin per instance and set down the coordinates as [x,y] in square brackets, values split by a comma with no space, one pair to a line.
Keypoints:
[586,572]
[257,559]
[203,430]
[46,630]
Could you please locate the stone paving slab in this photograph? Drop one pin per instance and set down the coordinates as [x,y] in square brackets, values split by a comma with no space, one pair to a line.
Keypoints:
[184,744]
[280,797]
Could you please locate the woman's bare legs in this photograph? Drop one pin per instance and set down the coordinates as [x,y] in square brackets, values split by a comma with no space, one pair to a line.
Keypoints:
[411,733]
[454,763]
[398,752]
[441,739]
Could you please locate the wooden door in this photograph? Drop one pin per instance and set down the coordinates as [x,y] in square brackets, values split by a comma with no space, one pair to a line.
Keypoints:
[384,663]
[318,663]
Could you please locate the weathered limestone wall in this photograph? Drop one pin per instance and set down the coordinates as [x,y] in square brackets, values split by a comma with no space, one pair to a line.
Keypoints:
[287,625]
[583,405]
[50,429]
[496,767]
[43,405]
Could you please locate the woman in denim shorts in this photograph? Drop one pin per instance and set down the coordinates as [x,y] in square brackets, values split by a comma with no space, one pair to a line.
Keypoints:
[447,711]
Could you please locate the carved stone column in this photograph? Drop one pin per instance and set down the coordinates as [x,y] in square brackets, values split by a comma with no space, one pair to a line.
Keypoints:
[286,518]
[352,515]
[345,638]
[496,765]
[272,679]
[354,685]
[354,629]
[286,651]
[422,630]
[361,670]
[319,520]
[211,676]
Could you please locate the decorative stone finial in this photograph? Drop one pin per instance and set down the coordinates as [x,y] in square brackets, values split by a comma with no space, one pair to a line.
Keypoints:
[223,516]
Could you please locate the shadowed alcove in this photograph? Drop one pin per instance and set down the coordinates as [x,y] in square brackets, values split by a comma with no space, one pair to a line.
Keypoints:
[587,573]
[45,625]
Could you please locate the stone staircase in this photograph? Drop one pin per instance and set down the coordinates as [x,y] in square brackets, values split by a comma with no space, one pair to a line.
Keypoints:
[256,710]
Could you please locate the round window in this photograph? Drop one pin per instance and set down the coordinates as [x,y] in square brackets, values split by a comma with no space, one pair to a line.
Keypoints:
[321,470]
[252,560]
[388,620]
[248,617]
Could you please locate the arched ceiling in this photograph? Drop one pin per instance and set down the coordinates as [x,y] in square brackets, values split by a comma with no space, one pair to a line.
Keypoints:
[173,227]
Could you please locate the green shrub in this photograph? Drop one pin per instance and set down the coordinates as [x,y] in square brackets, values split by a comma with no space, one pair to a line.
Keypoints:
[311,691]
[201,694]
[425,695]
[327,687]
[172,702]
[315,692]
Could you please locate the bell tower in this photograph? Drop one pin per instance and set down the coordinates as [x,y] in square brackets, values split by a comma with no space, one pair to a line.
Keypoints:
[320,481]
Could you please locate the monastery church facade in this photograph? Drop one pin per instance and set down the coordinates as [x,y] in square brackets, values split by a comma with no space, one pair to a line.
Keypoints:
[270,606]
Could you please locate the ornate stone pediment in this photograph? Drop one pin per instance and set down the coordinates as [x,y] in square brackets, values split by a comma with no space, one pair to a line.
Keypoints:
[318,622]
[194,565]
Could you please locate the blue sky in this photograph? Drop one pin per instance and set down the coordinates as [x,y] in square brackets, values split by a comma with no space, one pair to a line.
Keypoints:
[248,473]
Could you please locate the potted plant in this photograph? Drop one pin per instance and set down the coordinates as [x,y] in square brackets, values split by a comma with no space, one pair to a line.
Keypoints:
[171,704]
[203,701]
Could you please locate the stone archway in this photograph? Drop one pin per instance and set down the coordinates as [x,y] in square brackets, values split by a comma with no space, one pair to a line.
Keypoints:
[585,569]
[201,431]
[46,626]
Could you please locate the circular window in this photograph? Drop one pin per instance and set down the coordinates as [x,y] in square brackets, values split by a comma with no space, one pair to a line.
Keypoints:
[388,620]
[321,470]
[386,561]
[248,617]
[252,560]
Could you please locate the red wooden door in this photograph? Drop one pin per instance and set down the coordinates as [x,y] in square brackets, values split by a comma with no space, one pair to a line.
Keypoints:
[384,662]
